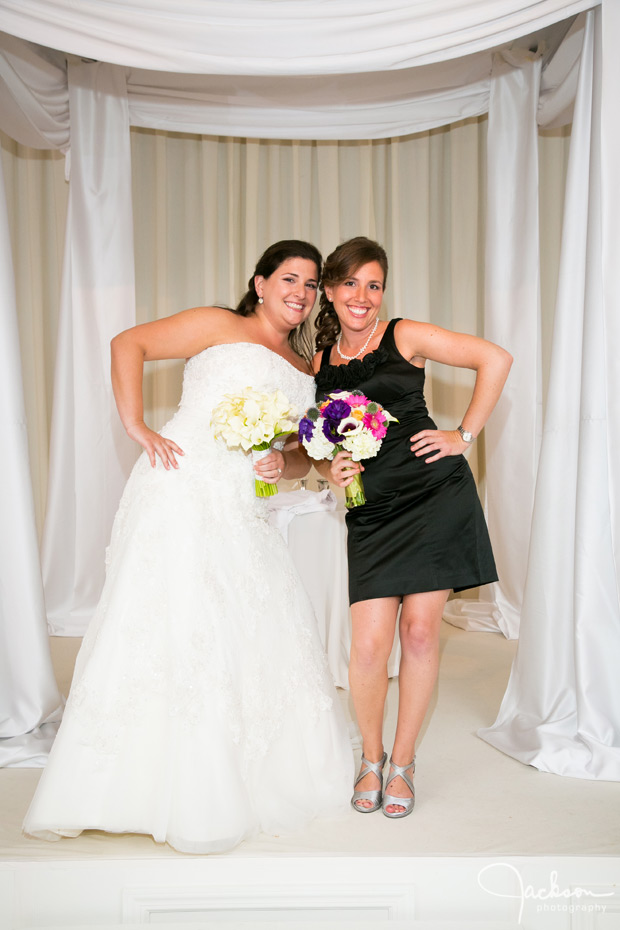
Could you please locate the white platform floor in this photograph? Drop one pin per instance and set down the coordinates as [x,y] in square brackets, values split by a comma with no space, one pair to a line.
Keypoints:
[471,799]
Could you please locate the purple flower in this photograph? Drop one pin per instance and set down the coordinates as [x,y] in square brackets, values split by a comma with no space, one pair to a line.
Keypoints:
[306,429]
[330,431]
[336,411]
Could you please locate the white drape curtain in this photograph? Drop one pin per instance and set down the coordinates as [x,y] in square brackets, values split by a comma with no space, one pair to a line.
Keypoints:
[289,37]
[563,715]
[90,454]
[350,106]
[36,193]
[34,94]
[30,703]
[511,319]
[610,236]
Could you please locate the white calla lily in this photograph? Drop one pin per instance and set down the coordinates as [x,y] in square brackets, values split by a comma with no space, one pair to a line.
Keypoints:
[349,426]
[253,419]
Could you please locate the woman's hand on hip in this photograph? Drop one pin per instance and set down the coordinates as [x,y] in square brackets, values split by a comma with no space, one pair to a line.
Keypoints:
[343,469]
[441,442]
[271,467]
[155,445]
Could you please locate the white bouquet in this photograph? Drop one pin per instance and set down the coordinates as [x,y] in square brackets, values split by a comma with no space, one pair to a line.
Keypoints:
[252,420]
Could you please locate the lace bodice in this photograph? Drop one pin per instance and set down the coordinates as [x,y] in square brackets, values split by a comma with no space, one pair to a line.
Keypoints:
[231,367]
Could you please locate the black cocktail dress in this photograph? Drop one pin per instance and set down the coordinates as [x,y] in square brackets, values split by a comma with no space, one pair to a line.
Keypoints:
[422,527]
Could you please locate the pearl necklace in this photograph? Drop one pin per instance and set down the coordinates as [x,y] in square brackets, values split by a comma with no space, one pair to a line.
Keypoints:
[349,358]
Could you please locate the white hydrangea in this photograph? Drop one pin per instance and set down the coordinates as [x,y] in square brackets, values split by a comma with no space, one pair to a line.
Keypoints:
[361,445]
[319,446]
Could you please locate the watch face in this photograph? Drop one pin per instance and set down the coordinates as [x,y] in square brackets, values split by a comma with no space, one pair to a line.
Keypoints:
[467,436]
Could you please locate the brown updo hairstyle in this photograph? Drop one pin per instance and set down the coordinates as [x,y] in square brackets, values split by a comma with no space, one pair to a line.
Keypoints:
[343,262]
[299,338]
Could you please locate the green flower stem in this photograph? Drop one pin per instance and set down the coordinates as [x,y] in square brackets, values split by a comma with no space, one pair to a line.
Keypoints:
[353,493]
[263,488]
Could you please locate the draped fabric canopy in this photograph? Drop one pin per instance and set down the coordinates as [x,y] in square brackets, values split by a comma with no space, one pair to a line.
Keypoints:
[279,37]
[353,70]
[329,106]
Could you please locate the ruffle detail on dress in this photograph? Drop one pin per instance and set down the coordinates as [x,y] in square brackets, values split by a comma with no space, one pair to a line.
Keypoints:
[347,377]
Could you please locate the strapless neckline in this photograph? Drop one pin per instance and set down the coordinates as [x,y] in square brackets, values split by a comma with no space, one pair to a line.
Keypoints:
[259,345]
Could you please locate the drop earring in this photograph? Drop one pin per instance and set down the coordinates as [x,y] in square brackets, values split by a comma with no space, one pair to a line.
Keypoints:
[260,300]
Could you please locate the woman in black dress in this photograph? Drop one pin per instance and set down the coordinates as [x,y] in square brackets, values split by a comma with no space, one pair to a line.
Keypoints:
[422,531]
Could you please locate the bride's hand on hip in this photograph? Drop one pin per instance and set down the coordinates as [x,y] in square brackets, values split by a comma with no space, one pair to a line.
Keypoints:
[442,442]
[271,467]
[343,469]
[155,445]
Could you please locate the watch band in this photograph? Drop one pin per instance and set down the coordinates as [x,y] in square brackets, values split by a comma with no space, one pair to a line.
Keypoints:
[465,434]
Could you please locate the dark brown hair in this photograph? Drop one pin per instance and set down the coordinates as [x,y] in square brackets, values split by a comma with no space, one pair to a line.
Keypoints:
[300,338]
[339,266]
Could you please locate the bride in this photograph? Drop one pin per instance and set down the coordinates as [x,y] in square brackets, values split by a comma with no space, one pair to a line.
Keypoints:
[202,710]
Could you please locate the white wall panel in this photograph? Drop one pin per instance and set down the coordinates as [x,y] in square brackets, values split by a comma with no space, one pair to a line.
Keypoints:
[224,892]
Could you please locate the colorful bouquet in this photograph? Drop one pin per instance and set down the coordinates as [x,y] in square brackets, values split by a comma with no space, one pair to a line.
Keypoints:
[345,420]
[252,420]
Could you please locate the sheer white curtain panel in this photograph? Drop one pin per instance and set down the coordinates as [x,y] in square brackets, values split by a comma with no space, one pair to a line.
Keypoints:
[90,453]
[561,711]
[512,320]
[30,704]
[296,36]
[36,195]
[34,108]
[610,231]
[34,97]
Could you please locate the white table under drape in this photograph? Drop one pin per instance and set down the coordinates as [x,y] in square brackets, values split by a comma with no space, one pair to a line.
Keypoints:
[317,539]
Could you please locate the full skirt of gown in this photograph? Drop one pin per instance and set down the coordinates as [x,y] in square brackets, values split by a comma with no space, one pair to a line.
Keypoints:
[202,710]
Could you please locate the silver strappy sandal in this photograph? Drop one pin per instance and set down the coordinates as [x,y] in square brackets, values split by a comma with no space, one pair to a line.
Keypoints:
[375,796]
[389,799]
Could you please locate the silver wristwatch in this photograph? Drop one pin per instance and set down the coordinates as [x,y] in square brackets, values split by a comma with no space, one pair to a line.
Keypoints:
[465,434]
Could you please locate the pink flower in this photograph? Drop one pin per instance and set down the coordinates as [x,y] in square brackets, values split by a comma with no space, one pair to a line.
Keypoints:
[376,423]
[357,400]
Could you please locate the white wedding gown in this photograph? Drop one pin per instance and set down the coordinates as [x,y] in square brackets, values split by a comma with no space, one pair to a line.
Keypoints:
[202,710]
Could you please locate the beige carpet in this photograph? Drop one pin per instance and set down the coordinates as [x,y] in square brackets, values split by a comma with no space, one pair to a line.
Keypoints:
[471,799]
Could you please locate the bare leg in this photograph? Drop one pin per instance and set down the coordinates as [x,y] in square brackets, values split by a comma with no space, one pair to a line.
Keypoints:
[373,625]
[419,638]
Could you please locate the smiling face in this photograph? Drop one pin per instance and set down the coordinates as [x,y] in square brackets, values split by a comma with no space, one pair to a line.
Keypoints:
[357,300]
[289,293]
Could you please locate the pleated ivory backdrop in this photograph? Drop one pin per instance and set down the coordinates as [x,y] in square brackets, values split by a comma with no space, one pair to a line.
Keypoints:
[205,207]
[436,231]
